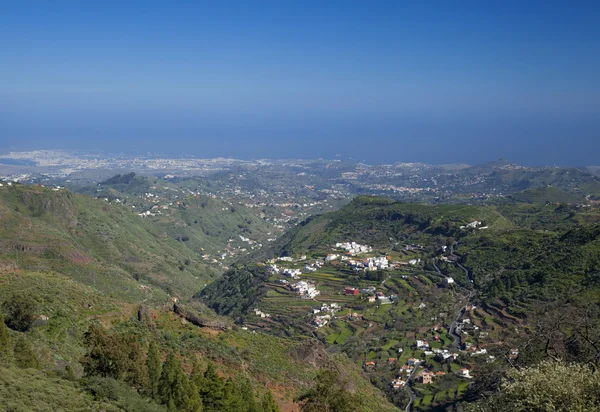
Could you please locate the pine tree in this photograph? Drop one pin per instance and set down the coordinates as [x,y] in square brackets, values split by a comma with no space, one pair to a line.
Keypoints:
[168,379]
[232,397]
[154,365]
[197,375]
[6,346]
[247,394]
[212,390]
[175,389]
[114,356]
[328,395]
[24,355]
[268,403]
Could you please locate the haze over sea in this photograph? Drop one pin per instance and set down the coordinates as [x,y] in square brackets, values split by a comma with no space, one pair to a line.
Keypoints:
[437,82]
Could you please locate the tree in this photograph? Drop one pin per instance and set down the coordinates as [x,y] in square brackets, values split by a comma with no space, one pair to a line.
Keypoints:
[6,346]
[114,356]
[20,312]
[232,397]
[175,389]
[197,375]
[212,390]
[154,366]
[548,386]
[25,357]
[328,395]
[247,395]
[268,403]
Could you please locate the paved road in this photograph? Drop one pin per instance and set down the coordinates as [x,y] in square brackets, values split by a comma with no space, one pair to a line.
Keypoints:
[437,269]
[411,393]
[453,327]
[469,275]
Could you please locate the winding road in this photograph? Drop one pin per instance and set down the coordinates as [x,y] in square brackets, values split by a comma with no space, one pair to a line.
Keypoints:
[453,329]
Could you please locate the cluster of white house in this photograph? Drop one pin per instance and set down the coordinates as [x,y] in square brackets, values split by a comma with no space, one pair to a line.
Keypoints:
[353,248]
[320,321]
[260,313]
[305,289]
[372,263]
[324,314]
[291,273]
[473,225]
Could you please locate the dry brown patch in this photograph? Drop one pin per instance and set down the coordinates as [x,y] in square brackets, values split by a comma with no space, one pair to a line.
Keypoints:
[210,331]
[79,258]
[8,267]
[281,394]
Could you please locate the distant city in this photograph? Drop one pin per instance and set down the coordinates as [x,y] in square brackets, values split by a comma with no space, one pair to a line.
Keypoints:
[301,180]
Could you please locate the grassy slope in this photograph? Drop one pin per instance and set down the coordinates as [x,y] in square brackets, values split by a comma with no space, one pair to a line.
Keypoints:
[98,244]
[76,256]
[31,390]
[207,222]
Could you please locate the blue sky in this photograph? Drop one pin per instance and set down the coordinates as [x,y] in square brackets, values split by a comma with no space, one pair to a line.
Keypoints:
[438,82]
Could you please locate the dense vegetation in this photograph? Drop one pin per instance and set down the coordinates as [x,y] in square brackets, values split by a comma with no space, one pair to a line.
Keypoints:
[240,288]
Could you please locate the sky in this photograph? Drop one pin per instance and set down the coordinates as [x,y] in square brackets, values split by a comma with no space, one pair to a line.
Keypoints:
[375,81]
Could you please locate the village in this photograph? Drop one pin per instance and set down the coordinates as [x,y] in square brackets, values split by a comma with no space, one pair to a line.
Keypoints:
[356,290]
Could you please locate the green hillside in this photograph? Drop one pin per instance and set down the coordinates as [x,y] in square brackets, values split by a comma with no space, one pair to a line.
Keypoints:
[92,282]
[506,261]
[97,243]
[546,194]
[207,225]
[383,222]
[523,244]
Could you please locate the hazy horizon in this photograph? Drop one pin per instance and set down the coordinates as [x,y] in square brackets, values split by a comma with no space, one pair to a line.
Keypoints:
[380,83]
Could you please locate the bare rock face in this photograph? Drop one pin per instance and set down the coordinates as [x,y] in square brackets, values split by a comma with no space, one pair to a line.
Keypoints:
[198,319]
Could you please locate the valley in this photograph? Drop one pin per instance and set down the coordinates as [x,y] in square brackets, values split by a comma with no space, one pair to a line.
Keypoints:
[410,304]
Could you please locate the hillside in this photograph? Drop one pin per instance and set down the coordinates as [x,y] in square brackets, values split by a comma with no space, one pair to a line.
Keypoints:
[217,229]
[70,263]
[509,180]
[383,222]
[464,279]
[537,229]
[546,194]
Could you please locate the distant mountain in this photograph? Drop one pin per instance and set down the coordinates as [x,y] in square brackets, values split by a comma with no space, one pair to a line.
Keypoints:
[495,164]
[506,178]
[595,170]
